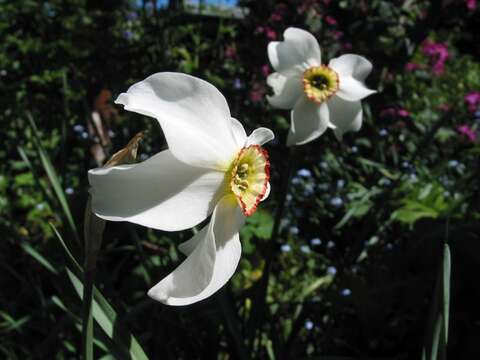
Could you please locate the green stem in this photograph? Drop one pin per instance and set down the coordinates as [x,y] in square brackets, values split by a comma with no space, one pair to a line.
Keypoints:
[259,303]
[93,232]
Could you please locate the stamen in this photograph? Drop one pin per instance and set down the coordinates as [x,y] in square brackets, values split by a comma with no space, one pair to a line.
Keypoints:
[320,83]
[249,177]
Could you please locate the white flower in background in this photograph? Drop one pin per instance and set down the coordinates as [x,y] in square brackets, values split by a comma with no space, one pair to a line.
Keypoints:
[321,96]
[211,167]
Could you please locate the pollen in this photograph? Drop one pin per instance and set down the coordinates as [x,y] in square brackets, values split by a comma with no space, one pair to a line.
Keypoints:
[249,176]
[320,83]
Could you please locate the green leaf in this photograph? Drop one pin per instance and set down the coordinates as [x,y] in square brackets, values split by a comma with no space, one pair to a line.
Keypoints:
[107,319]
[437,330]
[53,177]
[102,311]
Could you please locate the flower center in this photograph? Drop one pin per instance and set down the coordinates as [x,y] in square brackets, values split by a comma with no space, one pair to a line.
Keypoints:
[250,173]
[320,83]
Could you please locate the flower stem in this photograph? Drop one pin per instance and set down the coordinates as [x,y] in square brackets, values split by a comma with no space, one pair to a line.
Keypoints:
[260,300]
[93,232]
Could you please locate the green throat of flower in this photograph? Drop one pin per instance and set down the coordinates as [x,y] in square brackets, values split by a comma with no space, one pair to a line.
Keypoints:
[320,83]
[249,176]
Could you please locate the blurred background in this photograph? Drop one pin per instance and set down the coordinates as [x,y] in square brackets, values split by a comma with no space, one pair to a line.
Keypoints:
[358,270]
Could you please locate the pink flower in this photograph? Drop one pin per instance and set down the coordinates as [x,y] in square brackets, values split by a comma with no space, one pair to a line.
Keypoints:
[259,30]
[395,112]
[473,99]
[230,52]
[403,113]
[443,107]
[438,52]
[265,70]
[330,20]
[387,112]
[276,17]
[257,93]
[471,4]
[468,132]
[337,34]
[411,66]
[271,34]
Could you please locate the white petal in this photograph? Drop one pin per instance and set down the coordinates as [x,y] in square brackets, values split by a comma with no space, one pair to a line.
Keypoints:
[345,115]
[260,136]
[287,90]
[352,90]
[309,121]
[210,264]
[351,65]
[352,70]
[297,52]
[239,134]
[267,192]
[161,192]
[193,114]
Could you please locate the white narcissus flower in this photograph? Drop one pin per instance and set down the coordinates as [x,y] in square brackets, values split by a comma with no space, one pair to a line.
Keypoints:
[211,167]
[320,96]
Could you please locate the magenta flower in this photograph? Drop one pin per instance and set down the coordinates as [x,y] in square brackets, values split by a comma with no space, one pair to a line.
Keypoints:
[438,53]
[270,34]
[391,111]
[257,93]
[473,99]
[411,66]
[330,20]
[471,4]
[468,132]
[230,52]
[403,113]
[276,17]
[265,70]
[443,107]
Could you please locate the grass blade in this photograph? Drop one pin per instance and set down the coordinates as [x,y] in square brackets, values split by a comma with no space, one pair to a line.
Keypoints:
[53,177]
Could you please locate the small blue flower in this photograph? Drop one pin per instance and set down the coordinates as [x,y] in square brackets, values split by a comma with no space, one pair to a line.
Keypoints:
[286,248]
[330,245]
[385,181]
[293,230]
[340,183]
[316,241]
[132,16]
[304,173]
[346,292]
[78,128]
[323,165]
[354,149]
[309,324]
[237,84]
[305,249]
[453,163]
[308,190]
[289,197]
[332,270]
[128,35]
[85,135]
[383,132]
[296,180]
[336,201]
[69,191]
